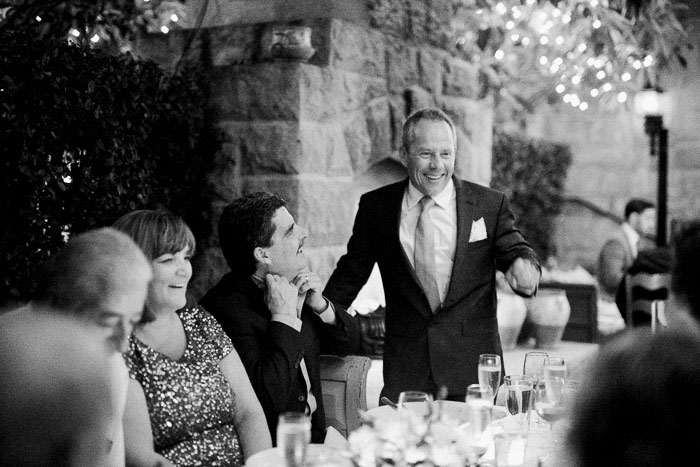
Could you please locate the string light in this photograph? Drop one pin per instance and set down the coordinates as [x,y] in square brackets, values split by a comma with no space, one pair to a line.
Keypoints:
[596,24]
[38,19]
[74,32]
[622,97]
[560,88]
[499,54]
[95,38]
[164,29]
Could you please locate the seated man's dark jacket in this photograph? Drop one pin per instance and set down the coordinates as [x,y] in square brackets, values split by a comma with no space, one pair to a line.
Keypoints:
[271,351]
[651,261]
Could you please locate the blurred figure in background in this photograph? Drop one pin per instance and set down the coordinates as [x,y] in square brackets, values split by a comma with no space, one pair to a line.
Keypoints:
[617,255]
[189,400]
[636,407]
[101,278]
[684,303]
[55,387]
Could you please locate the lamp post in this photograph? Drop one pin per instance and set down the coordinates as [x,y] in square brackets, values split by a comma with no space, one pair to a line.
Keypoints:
[650,102]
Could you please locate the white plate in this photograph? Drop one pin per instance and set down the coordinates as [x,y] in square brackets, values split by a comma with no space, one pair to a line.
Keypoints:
[316,455]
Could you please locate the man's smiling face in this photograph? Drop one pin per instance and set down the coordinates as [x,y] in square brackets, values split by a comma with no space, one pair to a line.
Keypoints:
[430,158]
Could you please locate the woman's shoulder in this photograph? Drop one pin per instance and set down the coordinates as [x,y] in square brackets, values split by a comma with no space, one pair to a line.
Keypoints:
[203,327]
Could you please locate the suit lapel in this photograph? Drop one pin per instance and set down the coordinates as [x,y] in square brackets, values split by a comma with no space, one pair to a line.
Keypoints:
[465,214]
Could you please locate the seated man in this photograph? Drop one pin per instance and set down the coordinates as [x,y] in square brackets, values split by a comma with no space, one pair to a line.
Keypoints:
[271,306]
[616,257]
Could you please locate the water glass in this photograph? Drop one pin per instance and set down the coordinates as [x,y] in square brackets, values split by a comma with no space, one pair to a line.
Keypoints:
[479,404]
[415,401]
[555,367]
[293,435]
[519,397]
[490,371]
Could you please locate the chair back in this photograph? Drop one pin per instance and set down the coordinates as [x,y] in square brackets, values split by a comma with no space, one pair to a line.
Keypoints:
[646,295]
[344,387]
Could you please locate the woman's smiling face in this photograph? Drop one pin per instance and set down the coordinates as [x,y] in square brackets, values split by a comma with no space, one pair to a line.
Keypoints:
[171,274]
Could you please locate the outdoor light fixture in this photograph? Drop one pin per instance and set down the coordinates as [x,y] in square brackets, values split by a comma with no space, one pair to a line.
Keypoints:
[651,103]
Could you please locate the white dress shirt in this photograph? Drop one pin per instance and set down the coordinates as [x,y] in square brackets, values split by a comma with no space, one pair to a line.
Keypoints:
[632,237]
[444,219]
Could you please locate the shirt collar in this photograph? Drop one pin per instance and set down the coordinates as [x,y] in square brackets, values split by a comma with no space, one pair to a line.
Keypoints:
[631,234]
[442,199]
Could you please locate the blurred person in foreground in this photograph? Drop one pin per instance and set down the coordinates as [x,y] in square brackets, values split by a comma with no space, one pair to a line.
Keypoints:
[271,306]
[54,383]
[189,400]
[683,309]
[636,408]
[101,278]
[617,255]
[438,242]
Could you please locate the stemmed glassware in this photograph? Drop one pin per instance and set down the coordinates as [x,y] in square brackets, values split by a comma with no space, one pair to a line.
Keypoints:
[549,399]
[519,397]
[415,401]
[479,404]
[533,365]
[490,372]
[555,367]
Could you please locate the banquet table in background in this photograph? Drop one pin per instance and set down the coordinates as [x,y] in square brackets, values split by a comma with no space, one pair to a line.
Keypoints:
[577,355]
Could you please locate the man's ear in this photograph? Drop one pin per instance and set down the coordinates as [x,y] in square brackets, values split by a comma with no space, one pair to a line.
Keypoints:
[260,255]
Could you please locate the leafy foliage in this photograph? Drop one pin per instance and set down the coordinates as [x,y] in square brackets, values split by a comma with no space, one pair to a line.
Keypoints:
[532,173]
[587,51]
[87,137]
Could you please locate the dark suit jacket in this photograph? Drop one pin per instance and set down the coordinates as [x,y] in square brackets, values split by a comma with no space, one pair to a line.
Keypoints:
[271,351]
[614,260]
[423,351]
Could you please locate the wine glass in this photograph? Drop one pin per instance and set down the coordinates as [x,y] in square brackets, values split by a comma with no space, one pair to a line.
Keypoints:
[555,367]
[490,372]
[533,365]
[549,401]
[415,401]
[519,396]
[479,404]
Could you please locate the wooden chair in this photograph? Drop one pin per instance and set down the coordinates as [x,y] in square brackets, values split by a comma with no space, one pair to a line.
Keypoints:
[344,387]
[645,295]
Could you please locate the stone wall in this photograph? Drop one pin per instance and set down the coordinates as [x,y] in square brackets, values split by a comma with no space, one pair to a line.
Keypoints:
[322,132]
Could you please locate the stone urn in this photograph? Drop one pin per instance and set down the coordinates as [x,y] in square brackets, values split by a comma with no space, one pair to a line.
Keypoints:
[549,312]
[511,312]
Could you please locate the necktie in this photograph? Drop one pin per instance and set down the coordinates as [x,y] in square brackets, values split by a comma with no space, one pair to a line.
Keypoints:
[424,254]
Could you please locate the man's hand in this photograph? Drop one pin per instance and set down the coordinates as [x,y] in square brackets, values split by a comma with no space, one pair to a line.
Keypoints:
[280,296]
[309,283]
[523,276]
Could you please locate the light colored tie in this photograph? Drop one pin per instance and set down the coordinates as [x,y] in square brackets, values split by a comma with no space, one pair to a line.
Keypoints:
[424,254]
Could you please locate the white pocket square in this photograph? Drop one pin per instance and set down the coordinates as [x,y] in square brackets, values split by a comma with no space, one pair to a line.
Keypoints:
[478,230]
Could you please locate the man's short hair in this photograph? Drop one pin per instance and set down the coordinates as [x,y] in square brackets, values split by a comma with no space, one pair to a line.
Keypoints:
[246,224]
[430,114]
[685,269]
[83,274]
[637,206]
[157,232]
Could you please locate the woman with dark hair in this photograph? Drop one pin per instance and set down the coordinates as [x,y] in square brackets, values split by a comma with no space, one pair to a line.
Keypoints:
[189,401]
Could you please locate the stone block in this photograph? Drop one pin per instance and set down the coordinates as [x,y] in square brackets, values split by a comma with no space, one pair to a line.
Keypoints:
[439,17]
[402,66]
[167,49]
[324,149]
[358,141]
[391,17]
[233,45]
[417,98]
[224,178]
[356,48]
[209,266]
[417,18]
[460,78]
[264,91]
[399,113]
[430,69]
[326,210]
[268,147]
[327,92]
[378,118]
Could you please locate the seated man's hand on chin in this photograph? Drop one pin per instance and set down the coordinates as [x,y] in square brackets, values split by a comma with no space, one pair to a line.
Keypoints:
[523,276]
[310,284]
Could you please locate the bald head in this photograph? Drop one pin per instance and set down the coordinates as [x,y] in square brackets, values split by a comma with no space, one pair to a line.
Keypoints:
[54,391]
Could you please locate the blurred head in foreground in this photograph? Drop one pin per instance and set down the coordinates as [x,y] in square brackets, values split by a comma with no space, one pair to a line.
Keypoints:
[636,408]
[102,277]
[684,305]
[54,381]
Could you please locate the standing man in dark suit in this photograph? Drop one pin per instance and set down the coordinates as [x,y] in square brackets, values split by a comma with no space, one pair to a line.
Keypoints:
[439,269]
[271,306]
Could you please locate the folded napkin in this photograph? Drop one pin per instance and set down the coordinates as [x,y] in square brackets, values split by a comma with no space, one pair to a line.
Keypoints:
[335,440]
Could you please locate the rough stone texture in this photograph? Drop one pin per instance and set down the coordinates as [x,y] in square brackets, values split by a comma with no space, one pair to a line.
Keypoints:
[460,78]
[357,49]
[233,45]
[358,141]
[430,68]
[401,66]
[378,117]
[225,174]
[417,98]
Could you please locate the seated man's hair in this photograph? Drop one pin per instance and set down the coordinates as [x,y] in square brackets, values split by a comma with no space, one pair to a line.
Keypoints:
[637,206]
[246,224]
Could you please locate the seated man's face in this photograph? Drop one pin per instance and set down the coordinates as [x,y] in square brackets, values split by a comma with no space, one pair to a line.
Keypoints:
[123,307]
[285,254]
[645,222]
